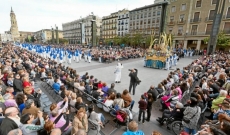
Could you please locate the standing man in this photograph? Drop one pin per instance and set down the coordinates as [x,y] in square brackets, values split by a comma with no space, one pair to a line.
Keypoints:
[133,80]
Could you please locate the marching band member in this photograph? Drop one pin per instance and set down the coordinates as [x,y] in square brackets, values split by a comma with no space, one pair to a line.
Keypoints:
[85,55]
[175,59]
[76,56]
[89,56]
[167,64]
[69,57]
[79,51]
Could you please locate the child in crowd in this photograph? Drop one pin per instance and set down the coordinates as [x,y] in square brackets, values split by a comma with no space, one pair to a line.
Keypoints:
[142,109]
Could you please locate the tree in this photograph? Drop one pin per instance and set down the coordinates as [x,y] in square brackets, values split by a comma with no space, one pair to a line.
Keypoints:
[125,39]
[63,41]
[107,41]
[137,39]
[33,39]
[222,40]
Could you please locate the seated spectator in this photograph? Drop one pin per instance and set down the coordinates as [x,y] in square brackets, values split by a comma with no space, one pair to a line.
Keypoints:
[82,86]
[108,102]
[10,90]
[105,89]
[127,99]
[56,110]
[170,101]
[30,108]
[80,121]
[112,90]
[95,84]
[216,102]
[9,100]
[17,84]
[79,104]
[97,117]
[89,88]
[11,121]
[28,120]
[97,94]
[224,108]
[26,83]
[176,113]
[133,129]
[50,125]
[35,97]
[99,85]
[20,100]
[43,74]
[56,86]
[73,102]
[10,79]
[118,101]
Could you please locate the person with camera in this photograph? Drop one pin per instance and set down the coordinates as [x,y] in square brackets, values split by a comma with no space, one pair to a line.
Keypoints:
[134,80]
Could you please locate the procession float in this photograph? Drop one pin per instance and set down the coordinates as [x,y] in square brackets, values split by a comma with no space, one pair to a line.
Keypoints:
[159,55]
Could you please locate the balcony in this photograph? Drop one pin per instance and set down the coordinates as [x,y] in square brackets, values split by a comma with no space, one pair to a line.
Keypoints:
[208,19]
[181,21]
[179,34]
[171,23]
[195,20]
[226,17]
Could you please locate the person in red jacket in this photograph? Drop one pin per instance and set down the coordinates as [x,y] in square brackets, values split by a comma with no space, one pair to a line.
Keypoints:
[142,109]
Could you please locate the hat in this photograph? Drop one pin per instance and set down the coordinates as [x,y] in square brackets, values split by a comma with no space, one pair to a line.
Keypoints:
[179,104]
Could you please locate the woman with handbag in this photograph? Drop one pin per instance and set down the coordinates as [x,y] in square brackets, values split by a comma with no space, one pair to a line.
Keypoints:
[191,116]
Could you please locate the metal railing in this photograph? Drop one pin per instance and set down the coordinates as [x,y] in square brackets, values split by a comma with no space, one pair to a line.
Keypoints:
[195,20]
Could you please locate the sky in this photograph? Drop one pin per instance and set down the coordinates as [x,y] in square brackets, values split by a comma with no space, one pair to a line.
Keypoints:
[34,15]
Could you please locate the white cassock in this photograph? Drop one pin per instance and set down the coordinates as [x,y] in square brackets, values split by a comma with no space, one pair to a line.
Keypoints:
[118,72]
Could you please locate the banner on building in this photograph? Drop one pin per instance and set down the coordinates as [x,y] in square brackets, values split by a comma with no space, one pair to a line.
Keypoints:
[82,33]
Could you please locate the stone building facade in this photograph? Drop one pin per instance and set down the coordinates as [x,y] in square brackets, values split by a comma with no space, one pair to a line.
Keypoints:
[147,19]
[123,22]
[190,21]
[72,31]
[109,26]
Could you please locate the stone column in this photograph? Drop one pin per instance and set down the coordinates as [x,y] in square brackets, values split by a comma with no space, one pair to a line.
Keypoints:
[52,36]
[198,45]
[185,44]
[174,44]
[57,36]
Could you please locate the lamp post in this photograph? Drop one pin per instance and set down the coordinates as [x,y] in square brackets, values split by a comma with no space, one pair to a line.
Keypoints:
[57,37]
[52,30]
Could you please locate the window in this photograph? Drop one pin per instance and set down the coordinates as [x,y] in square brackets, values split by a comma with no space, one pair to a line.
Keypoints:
[183,7]
[208,28]
[149,14]
[159,7]
[137,16]
[214,1]
[141,15]
[196,16]
[198,3]
[154,13]
[228,13]
[194,29]
[158,19]
[149,9]
[149,21]
[173,9]
[180,30]
[127,15]
[158,12]
[145,15]
[182,18]
[153,20]
[171,18]
[211,15]
[227,27]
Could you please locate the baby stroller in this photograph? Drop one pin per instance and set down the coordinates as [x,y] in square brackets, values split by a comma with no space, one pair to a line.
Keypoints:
[122,118]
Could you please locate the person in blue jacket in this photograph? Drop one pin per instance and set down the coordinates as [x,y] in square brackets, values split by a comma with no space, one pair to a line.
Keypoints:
[56,86]
[133,129]
[76,56]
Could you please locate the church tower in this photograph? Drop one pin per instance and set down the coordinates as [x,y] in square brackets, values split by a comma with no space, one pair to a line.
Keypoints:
[14,26]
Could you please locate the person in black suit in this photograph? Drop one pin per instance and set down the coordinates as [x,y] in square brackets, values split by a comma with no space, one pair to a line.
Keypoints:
[134,80]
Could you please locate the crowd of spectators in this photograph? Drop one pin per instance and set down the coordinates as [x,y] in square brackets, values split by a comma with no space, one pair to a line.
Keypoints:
[184,95]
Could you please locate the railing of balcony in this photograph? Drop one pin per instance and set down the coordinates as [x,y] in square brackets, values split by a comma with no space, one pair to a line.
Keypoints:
[209,18]
[181,22]
[194,20]
[171,23]
[226,16]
